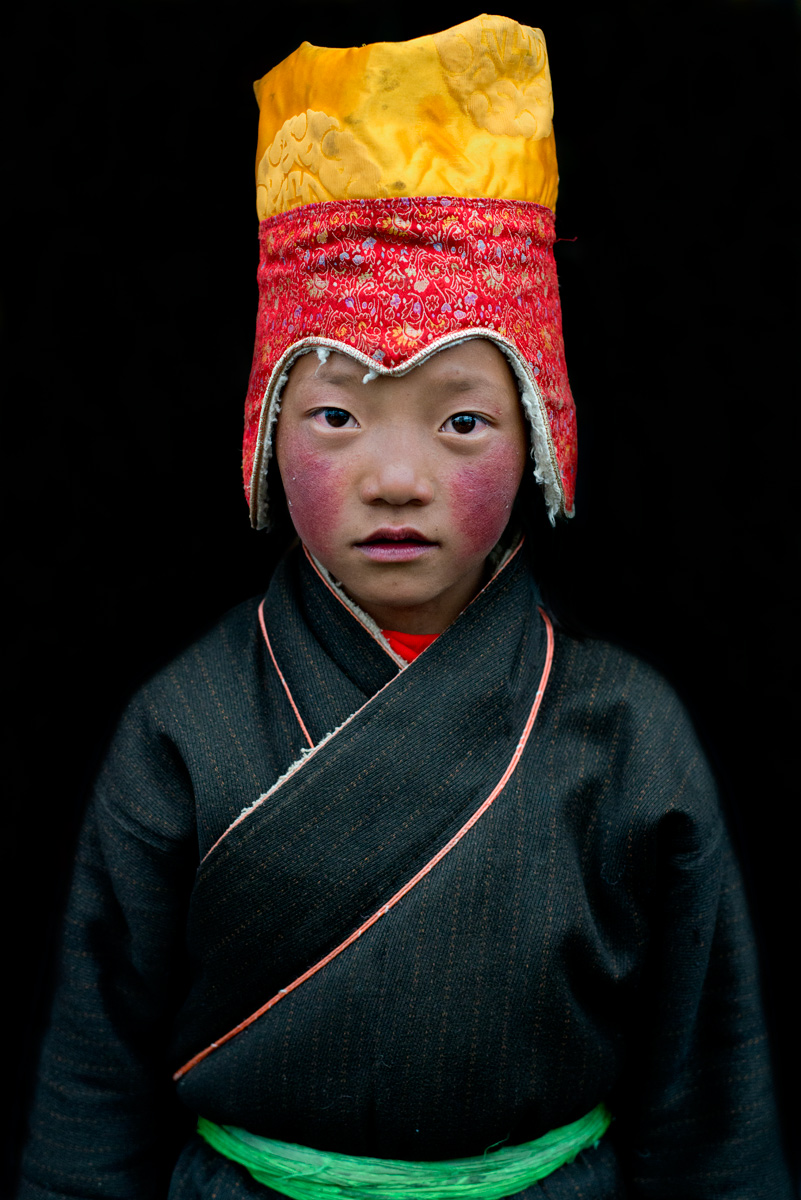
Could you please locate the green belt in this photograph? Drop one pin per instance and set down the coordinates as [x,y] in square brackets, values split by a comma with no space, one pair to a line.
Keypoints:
[317,1175]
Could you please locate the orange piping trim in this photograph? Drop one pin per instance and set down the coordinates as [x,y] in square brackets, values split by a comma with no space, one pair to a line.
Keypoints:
[407,887]
[281,677]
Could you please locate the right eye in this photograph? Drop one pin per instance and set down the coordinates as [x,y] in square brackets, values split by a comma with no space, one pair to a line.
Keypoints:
[336,418]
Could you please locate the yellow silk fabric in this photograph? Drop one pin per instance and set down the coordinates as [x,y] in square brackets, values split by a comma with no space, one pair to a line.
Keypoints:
[467,112]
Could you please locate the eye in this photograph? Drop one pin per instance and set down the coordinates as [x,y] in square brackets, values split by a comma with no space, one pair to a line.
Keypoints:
[463,423]
[336,418]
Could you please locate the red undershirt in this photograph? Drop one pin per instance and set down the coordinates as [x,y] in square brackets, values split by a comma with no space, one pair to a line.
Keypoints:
[408,645]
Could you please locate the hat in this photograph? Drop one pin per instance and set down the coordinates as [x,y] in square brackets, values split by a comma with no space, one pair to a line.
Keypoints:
[405,192]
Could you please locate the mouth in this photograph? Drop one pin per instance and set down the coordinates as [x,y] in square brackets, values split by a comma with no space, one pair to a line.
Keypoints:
[396,544]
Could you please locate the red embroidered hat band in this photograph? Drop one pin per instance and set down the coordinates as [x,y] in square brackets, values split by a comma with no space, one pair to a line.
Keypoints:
[390,282]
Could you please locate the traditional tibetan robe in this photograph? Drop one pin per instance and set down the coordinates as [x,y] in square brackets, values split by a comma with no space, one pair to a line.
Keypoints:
[415,912]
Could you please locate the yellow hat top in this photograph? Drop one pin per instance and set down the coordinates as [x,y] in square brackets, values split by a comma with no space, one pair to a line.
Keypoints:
[467,113]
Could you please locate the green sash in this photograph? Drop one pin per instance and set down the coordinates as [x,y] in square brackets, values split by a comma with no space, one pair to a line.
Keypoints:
[307,1174]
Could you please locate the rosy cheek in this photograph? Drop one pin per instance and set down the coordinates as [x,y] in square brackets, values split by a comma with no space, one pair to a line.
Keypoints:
[313,490]
[482,495]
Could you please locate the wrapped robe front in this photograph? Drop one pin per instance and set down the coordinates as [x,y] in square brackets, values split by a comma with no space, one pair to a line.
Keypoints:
[585,940]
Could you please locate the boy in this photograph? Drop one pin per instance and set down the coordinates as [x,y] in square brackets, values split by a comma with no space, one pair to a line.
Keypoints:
[385,868]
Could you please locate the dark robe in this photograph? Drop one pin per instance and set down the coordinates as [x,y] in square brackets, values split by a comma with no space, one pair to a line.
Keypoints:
[585,940]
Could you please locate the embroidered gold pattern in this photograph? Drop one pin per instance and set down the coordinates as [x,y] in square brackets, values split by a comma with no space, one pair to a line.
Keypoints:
[311,159]
[499,76]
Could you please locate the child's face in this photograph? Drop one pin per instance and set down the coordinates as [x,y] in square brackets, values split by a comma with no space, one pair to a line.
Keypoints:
[401,487]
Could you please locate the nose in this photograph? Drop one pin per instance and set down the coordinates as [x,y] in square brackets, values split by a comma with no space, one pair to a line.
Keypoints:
[396,473]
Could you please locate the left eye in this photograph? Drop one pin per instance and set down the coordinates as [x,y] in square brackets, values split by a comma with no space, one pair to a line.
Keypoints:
[337,418]
[462,423]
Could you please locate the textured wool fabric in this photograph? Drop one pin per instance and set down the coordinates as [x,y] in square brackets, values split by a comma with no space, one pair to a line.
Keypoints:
[307,1174]
[586,941]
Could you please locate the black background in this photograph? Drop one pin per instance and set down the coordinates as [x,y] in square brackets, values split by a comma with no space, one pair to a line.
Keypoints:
[129,297]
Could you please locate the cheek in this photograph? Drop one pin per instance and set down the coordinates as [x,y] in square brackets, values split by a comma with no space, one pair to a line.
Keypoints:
[482,495]
[314,492]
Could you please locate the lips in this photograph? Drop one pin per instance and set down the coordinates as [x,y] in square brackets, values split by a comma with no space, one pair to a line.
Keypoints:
[392,535]
[396,544]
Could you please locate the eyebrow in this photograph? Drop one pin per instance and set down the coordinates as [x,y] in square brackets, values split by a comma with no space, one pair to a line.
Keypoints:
[464,385]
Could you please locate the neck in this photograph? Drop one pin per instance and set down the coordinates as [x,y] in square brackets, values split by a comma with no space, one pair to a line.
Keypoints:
[430,617]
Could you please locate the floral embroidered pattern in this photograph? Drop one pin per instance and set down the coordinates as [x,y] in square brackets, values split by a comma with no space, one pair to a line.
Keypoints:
[391,279]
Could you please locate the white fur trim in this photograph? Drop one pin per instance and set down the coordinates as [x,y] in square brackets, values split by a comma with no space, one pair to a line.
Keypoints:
[304,754]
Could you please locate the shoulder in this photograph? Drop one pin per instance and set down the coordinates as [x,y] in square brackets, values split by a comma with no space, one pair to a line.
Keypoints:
[632,729]
[173,726]
[614,676]
[600,676]
[205,683]
[220,665]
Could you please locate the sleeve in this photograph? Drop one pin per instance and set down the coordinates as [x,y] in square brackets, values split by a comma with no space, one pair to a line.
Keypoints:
[105,1122]
[697,1116]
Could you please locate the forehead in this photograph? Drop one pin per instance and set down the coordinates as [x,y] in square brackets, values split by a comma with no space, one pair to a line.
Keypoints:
[476,366]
